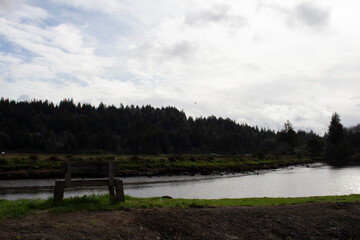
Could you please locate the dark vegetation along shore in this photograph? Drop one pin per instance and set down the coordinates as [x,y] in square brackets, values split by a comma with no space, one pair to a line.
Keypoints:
[14,166]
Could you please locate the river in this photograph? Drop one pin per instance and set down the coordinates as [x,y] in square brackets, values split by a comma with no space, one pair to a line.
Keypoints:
[300,181]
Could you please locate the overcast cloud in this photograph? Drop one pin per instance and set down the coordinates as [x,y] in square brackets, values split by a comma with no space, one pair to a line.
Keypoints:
[256,62]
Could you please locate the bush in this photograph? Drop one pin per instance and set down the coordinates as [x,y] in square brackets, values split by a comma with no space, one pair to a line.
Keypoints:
[110,158]
[260,154]
[172,159]
[54,158]
[135,158]
[336,152]
[34,157]
[3,162]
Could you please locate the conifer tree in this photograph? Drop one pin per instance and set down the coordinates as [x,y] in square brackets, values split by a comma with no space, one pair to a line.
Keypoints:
[336,130]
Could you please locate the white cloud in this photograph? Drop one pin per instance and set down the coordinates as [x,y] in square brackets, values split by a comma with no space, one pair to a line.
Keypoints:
[215,14]
[20,10]
[107,6]
[24,97]
[9,59]
[138,14]
[312,15]
[54,51]
[69,39]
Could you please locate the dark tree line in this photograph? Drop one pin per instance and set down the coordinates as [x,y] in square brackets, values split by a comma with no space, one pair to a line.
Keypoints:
[41,126]
[342,144]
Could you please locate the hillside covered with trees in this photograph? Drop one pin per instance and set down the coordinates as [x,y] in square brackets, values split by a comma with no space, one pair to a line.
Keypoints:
[41,126]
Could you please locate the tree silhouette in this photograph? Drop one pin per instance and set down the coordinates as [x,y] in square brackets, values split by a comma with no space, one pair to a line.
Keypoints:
[336,130]
[41,126]
[288,135]
[337,147]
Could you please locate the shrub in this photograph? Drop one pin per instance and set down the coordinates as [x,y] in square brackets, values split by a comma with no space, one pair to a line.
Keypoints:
[34,157]
[110,158]
[135,158]
[54,158]
[172,159]
[3,162]
[260,154]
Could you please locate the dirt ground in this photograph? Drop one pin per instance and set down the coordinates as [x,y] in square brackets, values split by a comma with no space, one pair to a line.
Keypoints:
[303,221]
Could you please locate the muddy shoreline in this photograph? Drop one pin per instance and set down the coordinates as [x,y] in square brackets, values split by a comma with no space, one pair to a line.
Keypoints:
[300,221]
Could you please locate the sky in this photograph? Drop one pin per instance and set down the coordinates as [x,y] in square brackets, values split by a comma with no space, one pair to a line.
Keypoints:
[259,62]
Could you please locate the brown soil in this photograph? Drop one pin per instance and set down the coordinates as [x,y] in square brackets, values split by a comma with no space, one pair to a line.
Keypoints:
[303,221]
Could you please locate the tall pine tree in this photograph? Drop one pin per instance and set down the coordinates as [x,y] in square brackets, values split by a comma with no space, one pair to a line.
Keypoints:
[336,130]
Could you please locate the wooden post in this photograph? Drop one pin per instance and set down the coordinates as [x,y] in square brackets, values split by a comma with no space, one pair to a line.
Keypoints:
[112,192]
[68,174]
[119,191]
[111,173]
[59,191]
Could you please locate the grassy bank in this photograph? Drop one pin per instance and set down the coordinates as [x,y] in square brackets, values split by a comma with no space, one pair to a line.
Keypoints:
[20,208]
[48,165]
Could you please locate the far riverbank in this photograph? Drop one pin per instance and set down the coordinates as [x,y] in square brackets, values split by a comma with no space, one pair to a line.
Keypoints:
[37,166]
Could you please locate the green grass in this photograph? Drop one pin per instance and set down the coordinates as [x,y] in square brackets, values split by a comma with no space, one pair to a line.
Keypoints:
[20,208]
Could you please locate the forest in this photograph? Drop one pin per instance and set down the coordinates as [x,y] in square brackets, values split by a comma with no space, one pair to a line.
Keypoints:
[42,126]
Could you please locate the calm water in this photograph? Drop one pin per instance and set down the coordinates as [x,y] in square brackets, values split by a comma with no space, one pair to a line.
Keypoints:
[316,180]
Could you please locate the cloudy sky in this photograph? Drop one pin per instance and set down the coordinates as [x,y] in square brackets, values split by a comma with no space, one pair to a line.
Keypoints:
[259,62]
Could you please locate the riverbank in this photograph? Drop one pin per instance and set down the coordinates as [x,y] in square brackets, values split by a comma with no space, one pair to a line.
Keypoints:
[314,220]
[23,166]
[349,161]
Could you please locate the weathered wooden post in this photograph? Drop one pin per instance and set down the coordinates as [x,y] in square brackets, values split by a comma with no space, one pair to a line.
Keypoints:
[119,187]
[59,191]
[111,175]
[68,174]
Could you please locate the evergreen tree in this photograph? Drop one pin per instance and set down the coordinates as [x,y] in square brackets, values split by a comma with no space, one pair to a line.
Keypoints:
[336,146]
[287,139]
[336,130]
